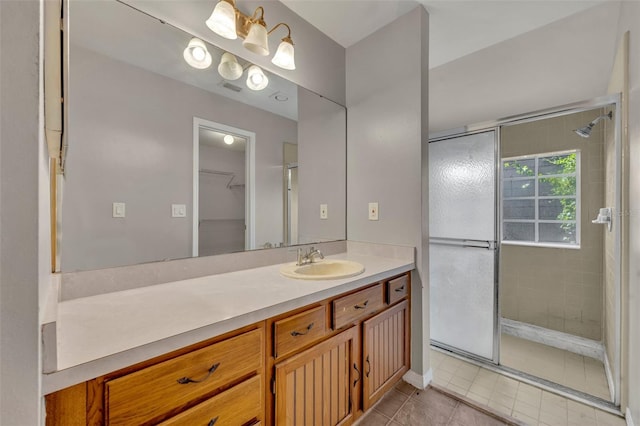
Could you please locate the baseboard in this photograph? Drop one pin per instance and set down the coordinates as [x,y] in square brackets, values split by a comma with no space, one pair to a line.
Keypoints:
[609,374]
[419,381]
[556,339]
[628,418]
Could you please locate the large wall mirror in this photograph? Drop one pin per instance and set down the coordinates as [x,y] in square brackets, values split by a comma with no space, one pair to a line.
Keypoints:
[167,161]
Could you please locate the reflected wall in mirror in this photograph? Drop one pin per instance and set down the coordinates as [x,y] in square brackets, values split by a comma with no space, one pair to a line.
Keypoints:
[140,124]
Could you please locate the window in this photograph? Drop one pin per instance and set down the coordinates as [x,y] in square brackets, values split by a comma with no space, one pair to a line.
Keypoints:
[541,199]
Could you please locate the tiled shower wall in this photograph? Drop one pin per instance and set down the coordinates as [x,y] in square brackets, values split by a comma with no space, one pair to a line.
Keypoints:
[555,288]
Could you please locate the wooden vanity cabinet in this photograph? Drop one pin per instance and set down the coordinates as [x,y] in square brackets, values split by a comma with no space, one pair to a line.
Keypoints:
[318,386]
[385,352]
[363,354]
[321,365]
[222,379]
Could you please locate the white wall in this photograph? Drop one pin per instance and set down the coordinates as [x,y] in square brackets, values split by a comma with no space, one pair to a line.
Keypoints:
[630,21]
[386,102]
[322,127]
[23,229]
[563,62]
[130,140]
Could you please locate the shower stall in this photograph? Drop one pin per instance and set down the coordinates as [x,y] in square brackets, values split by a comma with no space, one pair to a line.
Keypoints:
[525,247]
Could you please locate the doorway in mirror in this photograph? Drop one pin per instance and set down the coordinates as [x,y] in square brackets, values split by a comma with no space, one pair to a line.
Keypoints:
[222,180]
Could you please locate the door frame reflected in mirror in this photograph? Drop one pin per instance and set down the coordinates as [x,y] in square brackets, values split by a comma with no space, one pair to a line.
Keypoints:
[250,166]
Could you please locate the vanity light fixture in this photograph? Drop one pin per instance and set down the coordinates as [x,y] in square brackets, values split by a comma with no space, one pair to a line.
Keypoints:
[228,22]
[256,80]
[197,55]
[229,67]
[228,139]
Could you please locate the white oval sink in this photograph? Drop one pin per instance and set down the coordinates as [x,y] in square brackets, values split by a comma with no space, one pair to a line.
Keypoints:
[328,269]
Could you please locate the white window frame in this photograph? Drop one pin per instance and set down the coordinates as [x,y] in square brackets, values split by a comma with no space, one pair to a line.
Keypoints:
[536,197]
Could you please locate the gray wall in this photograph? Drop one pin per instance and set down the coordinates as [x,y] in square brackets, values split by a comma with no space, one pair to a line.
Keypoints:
[320,61]
[387,104]
[322,127]
[566,61]
[23,233]
[630,21]
[130,140]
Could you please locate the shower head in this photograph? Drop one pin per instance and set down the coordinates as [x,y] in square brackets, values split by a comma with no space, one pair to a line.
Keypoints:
[585,131]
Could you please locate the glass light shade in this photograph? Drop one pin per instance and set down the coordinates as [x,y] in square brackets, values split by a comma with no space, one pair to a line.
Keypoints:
[223,20]
[256,40]
[197,55]
[229,67]
[228,139]
[284,56]
[256,80]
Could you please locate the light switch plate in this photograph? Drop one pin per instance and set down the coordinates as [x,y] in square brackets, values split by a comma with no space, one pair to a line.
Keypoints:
[373,211]
[178,210]
[324,213]
[118,210]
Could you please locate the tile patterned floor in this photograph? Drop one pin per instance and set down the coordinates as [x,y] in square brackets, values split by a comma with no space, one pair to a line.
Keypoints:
[566,368]
[522,401]
[405,405]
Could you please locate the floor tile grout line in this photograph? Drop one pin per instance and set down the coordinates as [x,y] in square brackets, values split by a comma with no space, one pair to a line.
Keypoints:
[453,412]
[400,408]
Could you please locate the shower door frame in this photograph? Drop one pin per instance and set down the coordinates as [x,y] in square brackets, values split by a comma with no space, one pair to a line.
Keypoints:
[599,102]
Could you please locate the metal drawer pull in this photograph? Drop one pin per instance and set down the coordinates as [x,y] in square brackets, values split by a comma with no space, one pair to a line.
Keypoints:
[212,421]
[368,365]
[364,305]
[359,375]
[399,289]
[185,380]
[299,333]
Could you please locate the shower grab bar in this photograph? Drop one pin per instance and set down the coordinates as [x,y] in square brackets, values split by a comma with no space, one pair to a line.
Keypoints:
[484,244]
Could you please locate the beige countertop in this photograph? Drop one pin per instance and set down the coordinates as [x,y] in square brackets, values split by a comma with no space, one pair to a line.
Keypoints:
[99,334]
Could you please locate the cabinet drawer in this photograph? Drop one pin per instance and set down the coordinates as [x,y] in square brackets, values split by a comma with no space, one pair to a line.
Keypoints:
[397,289]
[299,330]
[234,407]
[151,393]
[351,308]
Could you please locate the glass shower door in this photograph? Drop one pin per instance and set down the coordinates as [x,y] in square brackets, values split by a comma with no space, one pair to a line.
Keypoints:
[462,244]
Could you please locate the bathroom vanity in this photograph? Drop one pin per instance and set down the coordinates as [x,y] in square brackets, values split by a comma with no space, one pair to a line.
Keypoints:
[289,351]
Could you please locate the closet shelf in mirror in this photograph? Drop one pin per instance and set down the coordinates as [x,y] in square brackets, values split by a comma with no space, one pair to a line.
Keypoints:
[219,173]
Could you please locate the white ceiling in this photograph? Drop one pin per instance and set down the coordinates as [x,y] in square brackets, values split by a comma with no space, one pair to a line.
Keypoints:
[456,28]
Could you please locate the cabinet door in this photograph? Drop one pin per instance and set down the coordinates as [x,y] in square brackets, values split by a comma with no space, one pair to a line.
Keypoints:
[385,351]
[319,387]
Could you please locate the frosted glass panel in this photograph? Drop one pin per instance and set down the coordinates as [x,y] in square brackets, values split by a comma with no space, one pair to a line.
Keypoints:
[462,187]
[462,298]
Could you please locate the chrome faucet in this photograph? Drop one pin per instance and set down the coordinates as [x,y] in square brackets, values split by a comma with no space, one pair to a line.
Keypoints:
[306,258]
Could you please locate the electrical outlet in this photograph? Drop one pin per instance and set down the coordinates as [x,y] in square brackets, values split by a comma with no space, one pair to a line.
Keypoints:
[373,211]
[324,213]
[178,210]
[118,210]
